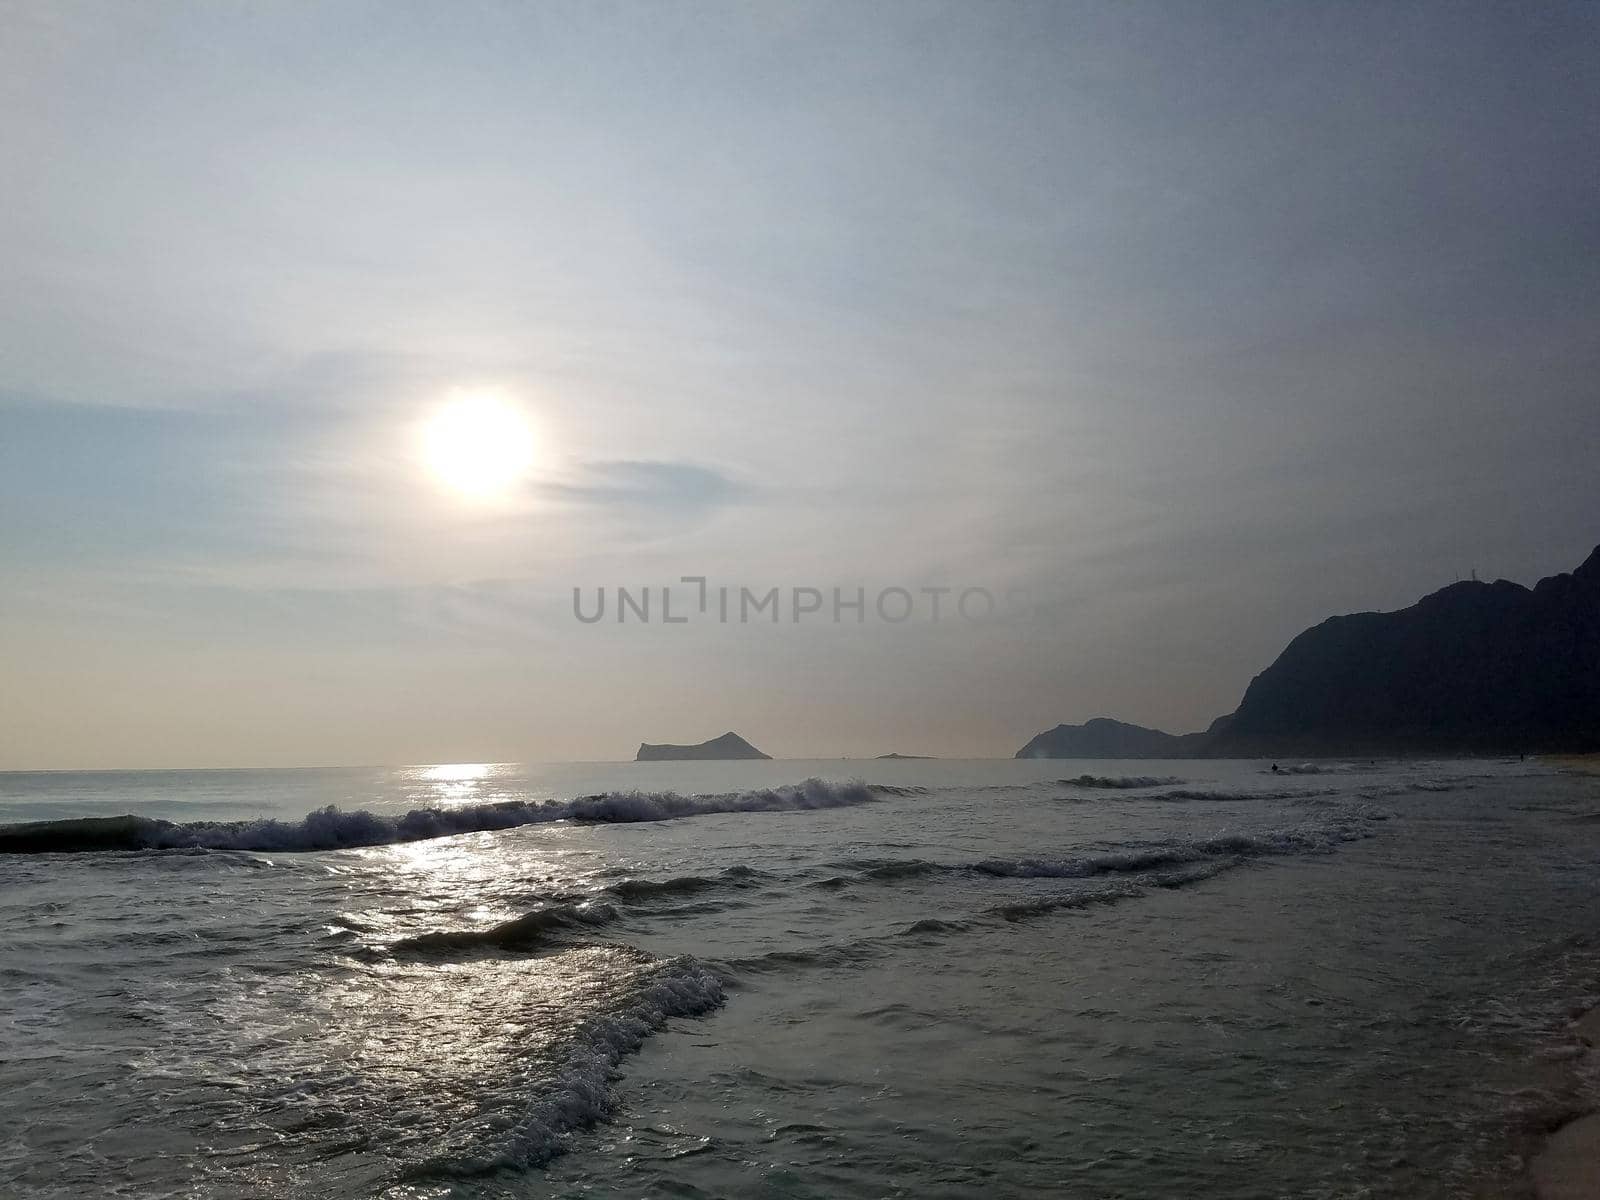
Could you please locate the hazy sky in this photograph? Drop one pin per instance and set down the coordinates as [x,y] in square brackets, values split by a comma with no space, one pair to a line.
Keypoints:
[1202,321]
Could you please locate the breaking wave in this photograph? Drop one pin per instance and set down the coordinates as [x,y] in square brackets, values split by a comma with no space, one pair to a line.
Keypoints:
[333,828]
[521,933]
[1182,795]
[581,1095]
[1130,860]
[636,891]
[1183,876]
[1139,859]
[1222,796]
[1120,782]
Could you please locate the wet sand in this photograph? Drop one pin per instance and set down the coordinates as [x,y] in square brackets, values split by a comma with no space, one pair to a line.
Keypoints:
[1568,1166]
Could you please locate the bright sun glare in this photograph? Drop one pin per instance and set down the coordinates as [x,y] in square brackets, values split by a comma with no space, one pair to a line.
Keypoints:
[479,445]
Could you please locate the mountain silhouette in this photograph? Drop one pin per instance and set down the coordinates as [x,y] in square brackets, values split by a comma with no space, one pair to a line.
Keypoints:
[1474,668]
[1103,737]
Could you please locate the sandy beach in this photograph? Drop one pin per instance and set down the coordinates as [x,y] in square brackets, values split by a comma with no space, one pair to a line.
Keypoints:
[1567,1167]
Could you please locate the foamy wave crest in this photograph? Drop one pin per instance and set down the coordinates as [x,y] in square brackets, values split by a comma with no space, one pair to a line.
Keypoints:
[336,829]
[1182,795]
[1437,785]
[1415,786]
[1085,880]
[1220,795]
[582,1095]
[1120,782]
[1324,768]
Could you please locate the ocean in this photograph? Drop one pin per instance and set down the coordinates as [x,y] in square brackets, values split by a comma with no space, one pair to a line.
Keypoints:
[795,979]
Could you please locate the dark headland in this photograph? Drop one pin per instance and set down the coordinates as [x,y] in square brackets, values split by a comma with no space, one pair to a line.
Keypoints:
[729,745]
[1474,668]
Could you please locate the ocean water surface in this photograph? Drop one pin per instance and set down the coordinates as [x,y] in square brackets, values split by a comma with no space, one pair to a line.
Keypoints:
[793,979]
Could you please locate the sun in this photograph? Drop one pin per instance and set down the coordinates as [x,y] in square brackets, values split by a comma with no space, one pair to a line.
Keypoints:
[478,445]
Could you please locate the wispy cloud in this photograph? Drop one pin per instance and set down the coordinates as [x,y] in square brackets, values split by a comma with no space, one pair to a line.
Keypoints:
[652,485]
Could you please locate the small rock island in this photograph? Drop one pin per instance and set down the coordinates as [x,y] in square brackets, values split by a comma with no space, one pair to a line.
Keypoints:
[729,745]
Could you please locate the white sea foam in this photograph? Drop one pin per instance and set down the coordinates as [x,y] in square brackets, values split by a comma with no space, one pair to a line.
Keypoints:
[580,1094]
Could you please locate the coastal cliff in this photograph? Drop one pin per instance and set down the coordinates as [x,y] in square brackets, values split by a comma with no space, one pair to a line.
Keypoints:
[1474,668]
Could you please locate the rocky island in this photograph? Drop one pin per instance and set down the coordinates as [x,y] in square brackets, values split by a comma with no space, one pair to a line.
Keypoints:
[729,745]
[1103,737]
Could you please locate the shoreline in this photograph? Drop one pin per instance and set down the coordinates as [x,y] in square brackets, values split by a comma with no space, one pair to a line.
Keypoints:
[1566,1165]
[1582,764]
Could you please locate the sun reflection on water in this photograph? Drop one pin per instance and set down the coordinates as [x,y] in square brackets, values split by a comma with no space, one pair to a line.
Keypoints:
[473,880]
[454,784]
[456,772]
[445,1066]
